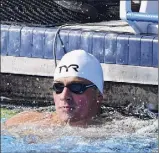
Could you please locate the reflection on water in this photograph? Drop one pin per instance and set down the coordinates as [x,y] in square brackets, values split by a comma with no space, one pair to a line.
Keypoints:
[117,134]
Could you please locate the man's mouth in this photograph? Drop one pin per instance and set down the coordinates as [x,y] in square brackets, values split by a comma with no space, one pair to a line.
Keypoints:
[68,108]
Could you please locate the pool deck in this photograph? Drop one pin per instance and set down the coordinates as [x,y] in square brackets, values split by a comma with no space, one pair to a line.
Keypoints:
[110,26]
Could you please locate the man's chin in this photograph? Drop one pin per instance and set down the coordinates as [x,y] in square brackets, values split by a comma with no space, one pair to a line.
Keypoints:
[66,117]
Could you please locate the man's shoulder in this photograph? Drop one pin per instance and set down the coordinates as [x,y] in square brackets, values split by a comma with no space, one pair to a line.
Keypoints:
[23,117]
[34,117]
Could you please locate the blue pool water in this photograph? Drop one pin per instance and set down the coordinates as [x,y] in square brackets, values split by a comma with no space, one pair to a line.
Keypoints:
[79,144]
[109,139]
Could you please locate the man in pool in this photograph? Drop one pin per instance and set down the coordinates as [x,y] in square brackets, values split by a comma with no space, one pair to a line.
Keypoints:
[77,92]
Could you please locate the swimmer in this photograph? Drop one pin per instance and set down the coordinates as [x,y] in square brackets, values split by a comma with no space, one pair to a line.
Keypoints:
[77,93]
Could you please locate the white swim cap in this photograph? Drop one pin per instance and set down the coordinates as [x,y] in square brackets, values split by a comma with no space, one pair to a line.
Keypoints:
[79,63]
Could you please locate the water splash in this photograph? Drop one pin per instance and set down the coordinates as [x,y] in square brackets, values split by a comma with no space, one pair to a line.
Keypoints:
[116,133]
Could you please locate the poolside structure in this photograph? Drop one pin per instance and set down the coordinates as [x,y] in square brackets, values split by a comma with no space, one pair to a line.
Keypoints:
[127,49]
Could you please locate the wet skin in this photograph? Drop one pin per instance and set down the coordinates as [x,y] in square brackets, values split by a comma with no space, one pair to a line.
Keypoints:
[73,109]
[77,108]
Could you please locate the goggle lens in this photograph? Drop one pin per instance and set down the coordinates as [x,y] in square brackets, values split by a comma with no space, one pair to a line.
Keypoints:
[77,88]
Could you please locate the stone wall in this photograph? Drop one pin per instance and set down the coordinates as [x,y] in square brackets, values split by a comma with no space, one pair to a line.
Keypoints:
[35,91]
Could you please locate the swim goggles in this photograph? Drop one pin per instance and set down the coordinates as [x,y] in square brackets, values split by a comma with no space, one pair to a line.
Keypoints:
[77,88]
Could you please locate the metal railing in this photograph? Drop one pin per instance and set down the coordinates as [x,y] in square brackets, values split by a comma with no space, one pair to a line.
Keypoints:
[140,21]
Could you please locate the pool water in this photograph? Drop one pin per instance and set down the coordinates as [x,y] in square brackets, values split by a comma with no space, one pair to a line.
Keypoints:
[124,135]
[80,144]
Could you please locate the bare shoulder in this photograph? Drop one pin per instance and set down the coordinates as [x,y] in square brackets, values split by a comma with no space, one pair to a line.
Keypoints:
[24,117]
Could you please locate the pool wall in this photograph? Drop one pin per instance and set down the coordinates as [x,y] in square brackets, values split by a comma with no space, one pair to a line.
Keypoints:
[129,61]
[34,91]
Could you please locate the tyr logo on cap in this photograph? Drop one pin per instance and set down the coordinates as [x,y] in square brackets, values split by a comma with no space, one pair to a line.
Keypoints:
[74,66]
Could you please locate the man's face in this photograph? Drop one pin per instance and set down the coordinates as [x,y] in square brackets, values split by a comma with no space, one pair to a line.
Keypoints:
[76,107]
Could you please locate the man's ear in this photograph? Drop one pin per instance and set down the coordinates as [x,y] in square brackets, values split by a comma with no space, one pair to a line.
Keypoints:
[99,102]
[99,97]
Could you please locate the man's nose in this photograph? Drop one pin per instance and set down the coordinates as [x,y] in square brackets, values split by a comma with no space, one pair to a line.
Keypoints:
[66,94]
